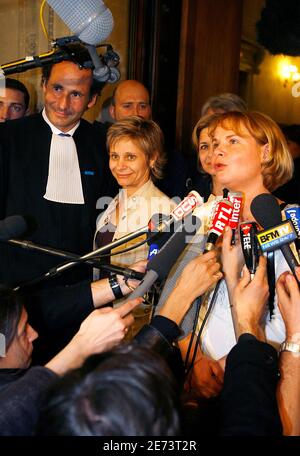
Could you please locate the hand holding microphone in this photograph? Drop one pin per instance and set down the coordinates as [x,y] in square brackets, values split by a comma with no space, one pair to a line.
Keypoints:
[197,277]
[249,300]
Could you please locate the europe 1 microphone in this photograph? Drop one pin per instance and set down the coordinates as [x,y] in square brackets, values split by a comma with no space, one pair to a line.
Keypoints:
[182,210]
[160,265]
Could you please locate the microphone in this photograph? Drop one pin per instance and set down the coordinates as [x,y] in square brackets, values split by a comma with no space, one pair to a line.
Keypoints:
[90,20]
[292,212]
[182,210]
[236,199]
[156,242]
[220,219]
[160,264]
[249,245]
[11,227]
[277,234]
[126,272]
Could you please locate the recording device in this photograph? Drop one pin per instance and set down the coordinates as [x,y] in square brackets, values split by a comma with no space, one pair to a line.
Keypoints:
[220,219]
[249,244]
[181,211]
[236,198]
[160,265]
[157,241]
[12,227]
[91,22]
[292,212]
[277,234]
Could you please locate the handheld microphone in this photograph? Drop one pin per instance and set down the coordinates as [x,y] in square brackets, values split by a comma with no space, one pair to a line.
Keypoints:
[249,245]
[277,234]
[237,200]
[292,212]
[126,272]
[12,227]
[220,220]
[160,265]
[182,210]
[157,241]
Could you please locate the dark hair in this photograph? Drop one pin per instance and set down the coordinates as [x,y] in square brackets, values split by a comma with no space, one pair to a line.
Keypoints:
[278,27]
[127,391]
[292,133]
[96,86]
[11,306]
[14,84]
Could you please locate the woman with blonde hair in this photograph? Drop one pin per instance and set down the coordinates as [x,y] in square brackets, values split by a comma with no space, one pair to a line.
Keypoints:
[136,159]
[246,152]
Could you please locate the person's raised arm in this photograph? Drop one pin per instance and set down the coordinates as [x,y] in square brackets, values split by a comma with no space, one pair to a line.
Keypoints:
[288,391]
[100,331]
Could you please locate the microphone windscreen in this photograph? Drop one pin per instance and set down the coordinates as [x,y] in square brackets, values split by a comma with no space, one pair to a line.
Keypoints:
[12,227]
[266,210]
[89,20]
[167,256]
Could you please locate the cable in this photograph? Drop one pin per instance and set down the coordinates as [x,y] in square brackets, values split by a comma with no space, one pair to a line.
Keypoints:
[42,21]
[197,344]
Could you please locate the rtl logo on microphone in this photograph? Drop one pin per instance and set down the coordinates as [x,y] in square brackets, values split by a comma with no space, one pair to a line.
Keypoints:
[275,237]
[221,217]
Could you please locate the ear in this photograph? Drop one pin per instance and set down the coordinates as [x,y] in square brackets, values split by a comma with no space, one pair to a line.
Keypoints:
[92,101]
[153,160]
[265,153]
[44,87]
[112,111]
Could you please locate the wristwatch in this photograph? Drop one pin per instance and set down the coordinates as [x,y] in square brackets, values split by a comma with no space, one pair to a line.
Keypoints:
[115,287]
[290,347]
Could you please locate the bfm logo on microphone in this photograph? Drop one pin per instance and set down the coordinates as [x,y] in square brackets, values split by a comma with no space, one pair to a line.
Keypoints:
[275,237]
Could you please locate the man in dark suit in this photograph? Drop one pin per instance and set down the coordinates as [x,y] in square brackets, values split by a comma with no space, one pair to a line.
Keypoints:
[52,170]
